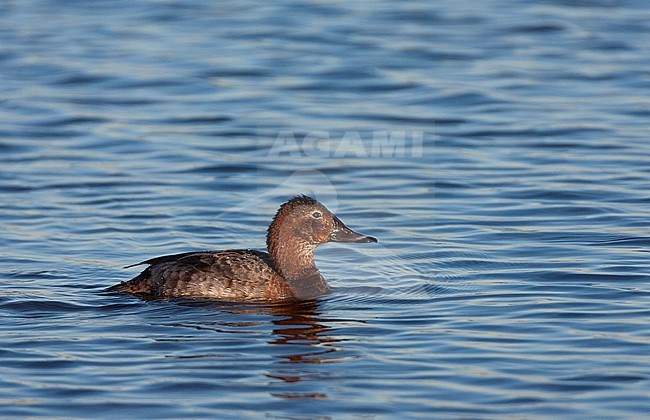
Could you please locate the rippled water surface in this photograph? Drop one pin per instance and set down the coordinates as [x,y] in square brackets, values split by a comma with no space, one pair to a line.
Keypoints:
[500,151]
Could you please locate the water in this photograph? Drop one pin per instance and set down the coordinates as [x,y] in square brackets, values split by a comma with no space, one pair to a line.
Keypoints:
[511,276]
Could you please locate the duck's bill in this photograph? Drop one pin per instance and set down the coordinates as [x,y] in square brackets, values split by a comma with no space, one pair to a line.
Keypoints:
[342,233]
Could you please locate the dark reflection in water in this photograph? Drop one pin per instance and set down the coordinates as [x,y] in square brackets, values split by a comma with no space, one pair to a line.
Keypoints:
[299,325]
[308,340]
[299,336]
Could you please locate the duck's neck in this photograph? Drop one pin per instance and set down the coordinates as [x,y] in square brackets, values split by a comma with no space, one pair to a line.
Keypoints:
[294,261]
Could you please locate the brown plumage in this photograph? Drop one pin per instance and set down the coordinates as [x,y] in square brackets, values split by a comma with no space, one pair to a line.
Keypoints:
[287,271]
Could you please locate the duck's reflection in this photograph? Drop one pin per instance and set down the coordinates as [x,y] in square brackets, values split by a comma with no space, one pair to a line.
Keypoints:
[301,338]
[308,340]
[300,325]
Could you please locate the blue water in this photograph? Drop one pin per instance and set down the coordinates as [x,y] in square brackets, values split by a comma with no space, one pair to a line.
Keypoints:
[499,151]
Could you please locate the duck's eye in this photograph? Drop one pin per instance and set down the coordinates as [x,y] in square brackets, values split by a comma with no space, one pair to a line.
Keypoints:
[316,214]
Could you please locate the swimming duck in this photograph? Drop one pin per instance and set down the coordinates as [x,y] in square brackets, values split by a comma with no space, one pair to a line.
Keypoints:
[287,271]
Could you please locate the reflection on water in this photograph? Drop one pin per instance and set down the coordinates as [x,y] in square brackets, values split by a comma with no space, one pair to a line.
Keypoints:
[302,337]
[300,328]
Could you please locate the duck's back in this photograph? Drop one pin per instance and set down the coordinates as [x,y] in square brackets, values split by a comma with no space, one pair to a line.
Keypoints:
[228,275]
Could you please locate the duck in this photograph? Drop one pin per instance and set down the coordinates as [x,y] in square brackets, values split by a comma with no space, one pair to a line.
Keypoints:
[286,272]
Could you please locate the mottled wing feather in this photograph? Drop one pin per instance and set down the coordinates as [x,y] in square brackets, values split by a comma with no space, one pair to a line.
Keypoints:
[232,275]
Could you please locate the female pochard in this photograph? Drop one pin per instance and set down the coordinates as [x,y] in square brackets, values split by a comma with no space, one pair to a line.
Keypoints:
[287,271]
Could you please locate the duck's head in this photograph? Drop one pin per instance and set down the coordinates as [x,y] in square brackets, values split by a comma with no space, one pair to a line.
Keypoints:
[305,221]
[300,225]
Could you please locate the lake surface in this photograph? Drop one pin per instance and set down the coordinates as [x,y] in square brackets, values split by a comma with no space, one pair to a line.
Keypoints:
[499,151]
